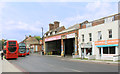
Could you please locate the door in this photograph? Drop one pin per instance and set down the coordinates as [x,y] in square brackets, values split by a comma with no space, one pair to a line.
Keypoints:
[100,52]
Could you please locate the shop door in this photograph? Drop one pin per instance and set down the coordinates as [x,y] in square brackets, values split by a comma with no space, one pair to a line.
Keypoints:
[100,51]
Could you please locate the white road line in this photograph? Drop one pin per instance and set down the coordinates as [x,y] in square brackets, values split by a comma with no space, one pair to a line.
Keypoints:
[73,70]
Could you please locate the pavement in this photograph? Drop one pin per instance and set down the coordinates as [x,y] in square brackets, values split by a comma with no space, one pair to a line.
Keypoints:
[6,66]
[38,63]
[96,61]
[82,60]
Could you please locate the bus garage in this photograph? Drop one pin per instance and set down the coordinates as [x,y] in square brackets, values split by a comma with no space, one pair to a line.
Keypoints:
[53,45]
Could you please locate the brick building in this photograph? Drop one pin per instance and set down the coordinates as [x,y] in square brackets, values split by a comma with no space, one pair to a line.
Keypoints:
[63,42]
[52,40]
[32,43]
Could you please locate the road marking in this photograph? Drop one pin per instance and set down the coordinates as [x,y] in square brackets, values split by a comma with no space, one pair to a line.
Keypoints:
[73,70]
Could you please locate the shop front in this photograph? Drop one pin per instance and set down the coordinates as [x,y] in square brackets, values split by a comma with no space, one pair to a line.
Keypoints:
[86,49]
[53,45]
[107,49]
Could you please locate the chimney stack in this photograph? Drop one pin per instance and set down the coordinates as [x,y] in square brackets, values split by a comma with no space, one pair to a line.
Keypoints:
[56,24]
[51,26]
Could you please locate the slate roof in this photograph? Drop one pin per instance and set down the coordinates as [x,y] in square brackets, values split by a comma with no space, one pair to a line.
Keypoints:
[71,28]
[30,40]
[57,30]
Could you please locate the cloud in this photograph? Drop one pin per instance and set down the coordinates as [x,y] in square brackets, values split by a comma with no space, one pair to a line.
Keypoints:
[92,11]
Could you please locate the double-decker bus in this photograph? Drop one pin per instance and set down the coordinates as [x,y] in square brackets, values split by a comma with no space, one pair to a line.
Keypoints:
[22,49]
[28,51]
[10,49]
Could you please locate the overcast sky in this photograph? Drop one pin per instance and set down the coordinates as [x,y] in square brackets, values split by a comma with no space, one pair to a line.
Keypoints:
[18,19]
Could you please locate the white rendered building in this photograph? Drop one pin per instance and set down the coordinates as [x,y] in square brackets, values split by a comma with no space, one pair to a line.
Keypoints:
[100,38]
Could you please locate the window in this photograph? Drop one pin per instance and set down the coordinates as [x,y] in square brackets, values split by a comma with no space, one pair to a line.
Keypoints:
[55,32]
[110,33]
[108,50]
[45,35]
[50,33]
[82,38]
[88,25]
[113,18]
[90,36]
[99,35]
[112,50]
[109,19]
[105,50]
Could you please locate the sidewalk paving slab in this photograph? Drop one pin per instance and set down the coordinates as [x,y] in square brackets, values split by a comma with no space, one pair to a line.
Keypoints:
[6,66]
[95,61]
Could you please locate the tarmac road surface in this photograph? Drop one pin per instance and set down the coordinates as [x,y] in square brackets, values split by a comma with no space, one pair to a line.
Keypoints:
[37,63]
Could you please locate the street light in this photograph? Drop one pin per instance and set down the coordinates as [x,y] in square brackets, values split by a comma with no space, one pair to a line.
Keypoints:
[42,37]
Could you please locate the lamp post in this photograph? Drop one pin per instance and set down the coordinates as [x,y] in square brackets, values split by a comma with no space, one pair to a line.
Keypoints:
[42,38]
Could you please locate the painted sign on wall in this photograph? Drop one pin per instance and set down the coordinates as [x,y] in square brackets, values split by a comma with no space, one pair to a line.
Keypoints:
[53,38]
[86,45]
[107,42]
[70,35]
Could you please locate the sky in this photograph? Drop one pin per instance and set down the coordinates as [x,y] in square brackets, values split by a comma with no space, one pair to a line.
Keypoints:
[20,19]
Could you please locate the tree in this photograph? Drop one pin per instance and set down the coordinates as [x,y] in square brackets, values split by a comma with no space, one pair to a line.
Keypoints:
[38,38]
[2,43]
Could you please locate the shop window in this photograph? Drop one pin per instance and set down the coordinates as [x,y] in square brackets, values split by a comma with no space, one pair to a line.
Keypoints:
[110,33]
[90,36]
[112,50]
[105,50]
[99,35]
[108,50]
[82,38]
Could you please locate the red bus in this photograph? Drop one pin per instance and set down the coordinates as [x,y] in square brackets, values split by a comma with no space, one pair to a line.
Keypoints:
[10,49]
[28,51]
[22,49]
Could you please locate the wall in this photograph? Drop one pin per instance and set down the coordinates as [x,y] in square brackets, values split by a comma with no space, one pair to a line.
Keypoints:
[94,30]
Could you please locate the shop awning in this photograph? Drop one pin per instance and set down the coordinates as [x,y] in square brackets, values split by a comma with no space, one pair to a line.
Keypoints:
[106,45]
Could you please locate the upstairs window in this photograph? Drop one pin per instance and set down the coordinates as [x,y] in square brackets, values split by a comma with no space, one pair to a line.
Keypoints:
[110,33]
[45,35]
[99,35]
[88,25]
[55,32]
[82,38]
[109,19]
[90,36]
[50,33]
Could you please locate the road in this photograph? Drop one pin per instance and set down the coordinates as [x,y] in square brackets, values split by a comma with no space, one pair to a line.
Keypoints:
[37,63]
